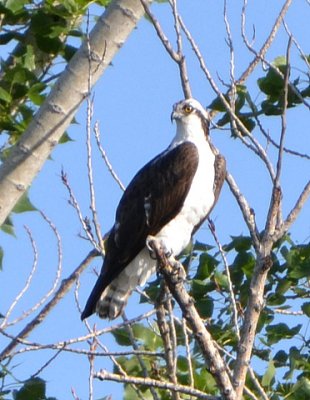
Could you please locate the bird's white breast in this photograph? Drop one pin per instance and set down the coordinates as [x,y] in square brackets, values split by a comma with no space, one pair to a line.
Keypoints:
[177,233]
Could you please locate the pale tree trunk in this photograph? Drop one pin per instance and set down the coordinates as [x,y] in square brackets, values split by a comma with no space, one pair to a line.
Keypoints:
[59,108]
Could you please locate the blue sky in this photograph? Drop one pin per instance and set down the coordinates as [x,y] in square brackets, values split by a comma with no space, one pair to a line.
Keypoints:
[132,103]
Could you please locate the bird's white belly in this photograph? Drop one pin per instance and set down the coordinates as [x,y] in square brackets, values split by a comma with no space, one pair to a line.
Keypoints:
[177,233]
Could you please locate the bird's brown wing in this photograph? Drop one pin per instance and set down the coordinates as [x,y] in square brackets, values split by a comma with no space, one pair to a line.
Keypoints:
[152,199]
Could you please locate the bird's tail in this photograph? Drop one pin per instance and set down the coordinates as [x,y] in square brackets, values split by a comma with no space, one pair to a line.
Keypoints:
[109,297]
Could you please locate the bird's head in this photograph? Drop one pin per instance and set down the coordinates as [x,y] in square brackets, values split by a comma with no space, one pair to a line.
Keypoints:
[190,112]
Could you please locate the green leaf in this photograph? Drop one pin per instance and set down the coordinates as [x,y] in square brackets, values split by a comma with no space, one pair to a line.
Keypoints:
[298,262]
[35,95]
[239,243]
[269,374]
[5,96]
[276,299]
[206,266]
[199,288]
[245,261]
[33,389]
[301,389]
[146,336]
[281,331]
[15,5]
[221,280]
[121,337]
[306,309]
[23,205]
[1,258]
[8,227]
[280,358]
[65,138]
[205,307]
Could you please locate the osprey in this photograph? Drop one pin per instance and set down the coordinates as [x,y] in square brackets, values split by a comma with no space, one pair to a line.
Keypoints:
[169,198]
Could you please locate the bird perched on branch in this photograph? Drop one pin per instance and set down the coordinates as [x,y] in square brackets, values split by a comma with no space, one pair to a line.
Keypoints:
[169,198]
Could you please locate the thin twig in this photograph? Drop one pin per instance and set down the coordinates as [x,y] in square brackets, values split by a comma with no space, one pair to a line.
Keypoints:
[27,283]
[247,211]
[173,341]
[140,359]
[165,41]
[253,144]
[263,50]
[26,313]
[63,289]
[73,201]
[105,158]
[188,354]
[230,286]
[292,216]
[261,391]
[181,63]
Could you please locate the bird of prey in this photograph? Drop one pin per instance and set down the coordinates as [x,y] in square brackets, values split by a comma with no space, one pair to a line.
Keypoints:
[169,198]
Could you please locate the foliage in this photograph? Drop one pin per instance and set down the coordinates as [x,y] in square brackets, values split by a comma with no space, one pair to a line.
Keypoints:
[41,36]
[286,290]
[33,388]
[272,86]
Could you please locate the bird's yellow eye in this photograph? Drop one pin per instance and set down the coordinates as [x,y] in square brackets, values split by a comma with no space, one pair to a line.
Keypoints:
[187,109]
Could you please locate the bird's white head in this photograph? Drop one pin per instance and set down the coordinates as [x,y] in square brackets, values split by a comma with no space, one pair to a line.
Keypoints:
[191,118]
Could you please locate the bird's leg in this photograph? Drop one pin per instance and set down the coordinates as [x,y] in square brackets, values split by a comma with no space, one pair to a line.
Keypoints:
[160,244]
[158,251]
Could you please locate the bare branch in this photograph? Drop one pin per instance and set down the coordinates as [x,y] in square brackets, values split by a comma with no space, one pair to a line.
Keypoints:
[55,282]
[260,56]
[18,297]
[263,50]
[261,391]
[291,218]
[188,354]
[181,63]
[73,201]
[165,41]
[105,158]
[230,286]
[104,375]
[254,145]
[247,211]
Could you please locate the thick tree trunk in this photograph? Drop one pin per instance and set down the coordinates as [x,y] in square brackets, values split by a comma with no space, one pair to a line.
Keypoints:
[29,155]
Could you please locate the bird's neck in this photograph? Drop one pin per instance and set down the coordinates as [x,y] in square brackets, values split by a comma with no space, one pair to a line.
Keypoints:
[191,131]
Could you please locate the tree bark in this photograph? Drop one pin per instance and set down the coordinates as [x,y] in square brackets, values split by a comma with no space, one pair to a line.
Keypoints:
[52,119]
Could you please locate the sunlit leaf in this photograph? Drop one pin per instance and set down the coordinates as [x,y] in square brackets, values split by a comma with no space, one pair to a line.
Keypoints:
[269,374]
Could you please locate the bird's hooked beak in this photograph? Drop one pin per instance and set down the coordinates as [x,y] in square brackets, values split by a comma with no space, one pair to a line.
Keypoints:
[175,114]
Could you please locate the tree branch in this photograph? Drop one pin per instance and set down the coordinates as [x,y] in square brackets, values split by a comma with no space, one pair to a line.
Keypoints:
[104,375]
[174,275]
